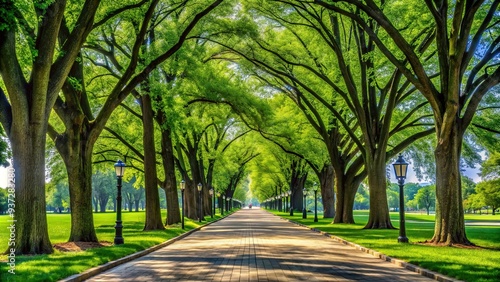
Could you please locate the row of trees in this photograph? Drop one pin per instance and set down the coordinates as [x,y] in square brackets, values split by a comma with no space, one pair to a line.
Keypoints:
[206,91]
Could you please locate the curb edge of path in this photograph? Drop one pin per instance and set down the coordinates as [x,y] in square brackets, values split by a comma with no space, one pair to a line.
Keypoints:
[417,269]
[89,273]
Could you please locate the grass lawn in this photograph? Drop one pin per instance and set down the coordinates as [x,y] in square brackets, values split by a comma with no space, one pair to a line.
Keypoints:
[477,264]
[63,264]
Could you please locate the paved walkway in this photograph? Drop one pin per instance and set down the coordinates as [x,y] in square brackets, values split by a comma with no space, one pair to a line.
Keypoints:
[253,245]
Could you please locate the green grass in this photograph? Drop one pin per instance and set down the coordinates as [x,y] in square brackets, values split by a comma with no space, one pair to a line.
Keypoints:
[476,265]
[63,264]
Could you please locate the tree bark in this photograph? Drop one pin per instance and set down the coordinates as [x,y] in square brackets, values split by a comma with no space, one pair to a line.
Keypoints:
[170,183]
[153,212]
[379,209]
[345,192]
[450,224]
[28,147]
[327,192]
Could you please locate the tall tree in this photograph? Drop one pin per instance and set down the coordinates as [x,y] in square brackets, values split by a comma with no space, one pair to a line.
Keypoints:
[359,123]
[33,74]
[121,56]
[466,45]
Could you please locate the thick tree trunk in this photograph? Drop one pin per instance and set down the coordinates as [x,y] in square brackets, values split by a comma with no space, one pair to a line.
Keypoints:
[76,151]
[167,150]
[450,226]
[379,209]
[345,192]
[190,199]
[79,167]
[28,148]
[153,212]
[297,184]
[327,192]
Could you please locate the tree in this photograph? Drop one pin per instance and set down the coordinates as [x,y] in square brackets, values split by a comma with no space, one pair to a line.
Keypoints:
[84,125]
[426,197]
[464,70]
[102,185]
[33,74]
[489,189]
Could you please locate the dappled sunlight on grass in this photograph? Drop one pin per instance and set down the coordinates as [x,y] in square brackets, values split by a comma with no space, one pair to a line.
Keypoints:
[475,264]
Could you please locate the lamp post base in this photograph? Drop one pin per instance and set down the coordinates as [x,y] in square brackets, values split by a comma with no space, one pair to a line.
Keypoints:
[402,239]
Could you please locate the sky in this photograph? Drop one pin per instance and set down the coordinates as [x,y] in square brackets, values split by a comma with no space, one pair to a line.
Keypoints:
[472,173]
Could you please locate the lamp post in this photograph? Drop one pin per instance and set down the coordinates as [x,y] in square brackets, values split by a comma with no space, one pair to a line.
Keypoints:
[315,189]
[199,202]
[120,170]
[304,211]
[211,192]
[291,201]
[400,169]
[183,186]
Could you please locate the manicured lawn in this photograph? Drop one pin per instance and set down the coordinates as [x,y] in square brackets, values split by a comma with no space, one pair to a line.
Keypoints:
[63,264]
[465,264]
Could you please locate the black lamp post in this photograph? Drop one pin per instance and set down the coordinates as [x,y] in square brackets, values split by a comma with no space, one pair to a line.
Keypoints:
[199,201]
[211,192]
[304,211]
[315,189]
[120,170]
[183,186]
[400,169]
[291,201]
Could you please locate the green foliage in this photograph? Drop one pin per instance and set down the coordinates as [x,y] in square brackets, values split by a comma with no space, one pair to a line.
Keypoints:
[4,200]
[489,190]
[426,197]
[8,20]
[57,197]
[4,149]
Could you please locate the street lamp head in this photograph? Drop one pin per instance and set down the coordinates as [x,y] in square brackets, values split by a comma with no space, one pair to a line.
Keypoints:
[211,191]
[400,168]
[119,168]
[218,194]
[183,185]
[315,187]
[199,187]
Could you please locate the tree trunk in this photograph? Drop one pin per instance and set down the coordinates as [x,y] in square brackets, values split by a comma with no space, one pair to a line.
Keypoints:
[297,186]
[379,209]
[345,191]
[96,204]
[79,167]
[103,202]
[76,151]
[153,212]
[450,226]
[167,150]
[327,192]
[28,149]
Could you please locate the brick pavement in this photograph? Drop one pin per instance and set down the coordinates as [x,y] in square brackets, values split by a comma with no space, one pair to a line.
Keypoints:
[253,245]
